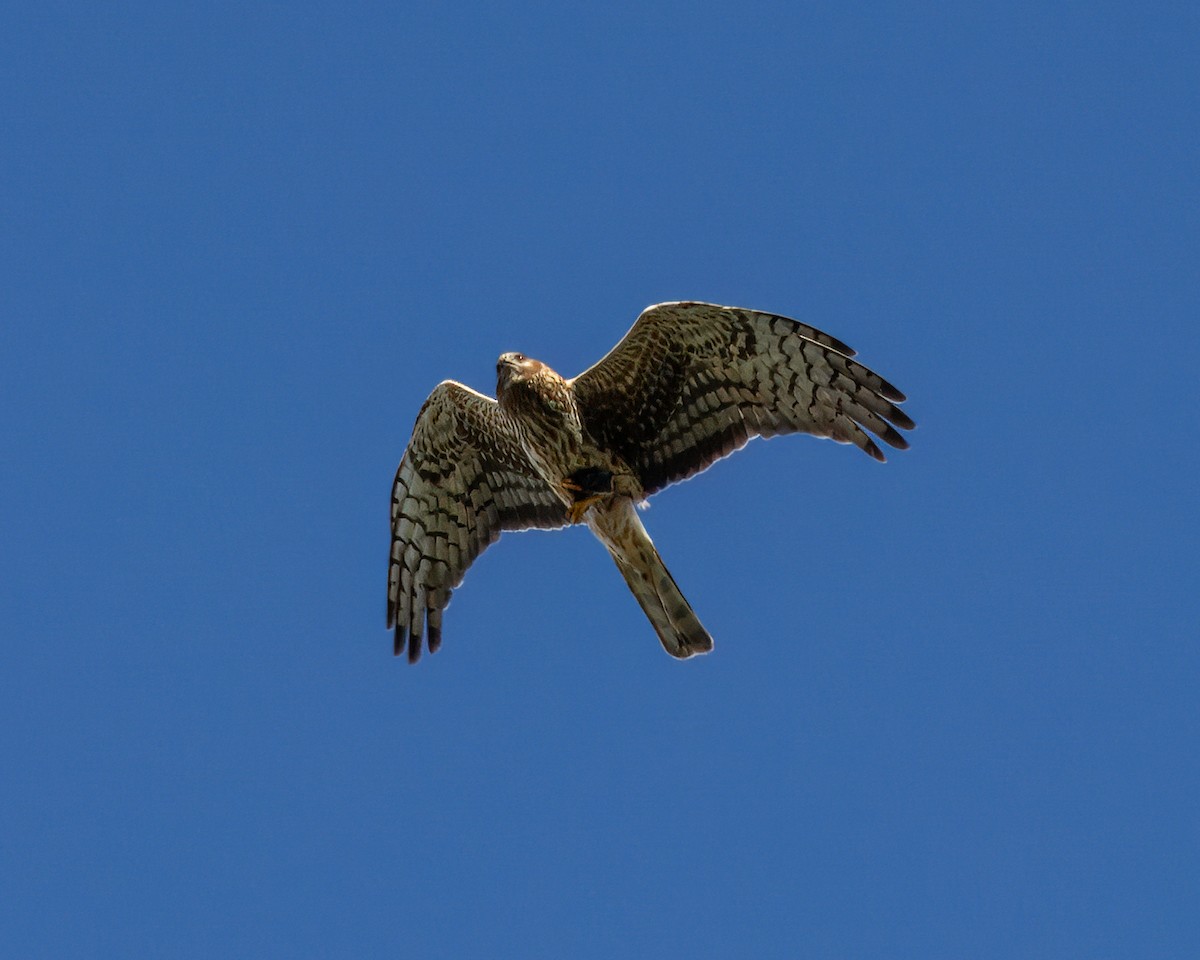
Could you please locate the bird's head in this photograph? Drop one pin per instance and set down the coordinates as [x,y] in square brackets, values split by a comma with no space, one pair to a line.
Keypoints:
[514,368]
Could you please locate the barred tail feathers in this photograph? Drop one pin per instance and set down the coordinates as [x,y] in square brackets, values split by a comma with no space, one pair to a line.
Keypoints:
[617,525]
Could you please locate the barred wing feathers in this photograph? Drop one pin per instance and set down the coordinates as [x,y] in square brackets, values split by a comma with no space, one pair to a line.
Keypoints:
[462,480]
[692,382]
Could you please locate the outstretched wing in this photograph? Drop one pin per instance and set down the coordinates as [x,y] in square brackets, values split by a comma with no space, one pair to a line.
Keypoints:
[693,382]
[463,479]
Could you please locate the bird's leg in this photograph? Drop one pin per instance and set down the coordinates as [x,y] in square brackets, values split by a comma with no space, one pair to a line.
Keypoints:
[581,499]
[577,509]
[626,485]
[585,487]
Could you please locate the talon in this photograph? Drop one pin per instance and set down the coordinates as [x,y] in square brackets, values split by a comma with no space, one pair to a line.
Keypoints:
[584,487]
[577,509]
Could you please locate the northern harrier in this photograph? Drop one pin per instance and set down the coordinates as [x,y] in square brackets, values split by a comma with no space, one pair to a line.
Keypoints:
[688,384]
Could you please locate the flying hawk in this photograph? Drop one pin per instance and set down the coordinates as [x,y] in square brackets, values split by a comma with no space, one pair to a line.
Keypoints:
[688,384]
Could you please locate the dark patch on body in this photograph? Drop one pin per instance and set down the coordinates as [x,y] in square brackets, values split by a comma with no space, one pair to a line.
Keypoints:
[591,481]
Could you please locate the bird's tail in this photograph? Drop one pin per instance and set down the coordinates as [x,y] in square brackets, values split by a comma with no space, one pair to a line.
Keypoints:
[649,580]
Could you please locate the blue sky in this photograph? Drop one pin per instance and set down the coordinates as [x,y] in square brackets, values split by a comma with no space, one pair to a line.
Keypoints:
[952,707]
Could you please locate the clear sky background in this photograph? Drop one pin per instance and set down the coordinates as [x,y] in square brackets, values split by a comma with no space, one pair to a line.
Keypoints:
[952,710]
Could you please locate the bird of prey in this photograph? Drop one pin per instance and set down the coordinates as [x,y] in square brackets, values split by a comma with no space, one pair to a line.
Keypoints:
[688,384]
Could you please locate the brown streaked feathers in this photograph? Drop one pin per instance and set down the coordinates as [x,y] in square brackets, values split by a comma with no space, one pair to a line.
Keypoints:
[688,384]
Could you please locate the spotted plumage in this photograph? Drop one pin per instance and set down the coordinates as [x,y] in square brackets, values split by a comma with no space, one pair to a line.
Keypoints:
[688,384]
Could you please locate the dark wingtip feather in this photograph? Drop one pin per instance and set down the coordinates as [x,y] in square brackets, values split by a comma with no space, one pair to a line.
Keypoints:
[901,419]
[892,438]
